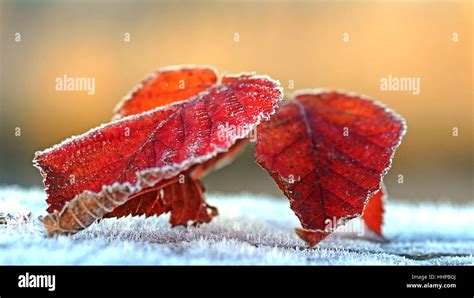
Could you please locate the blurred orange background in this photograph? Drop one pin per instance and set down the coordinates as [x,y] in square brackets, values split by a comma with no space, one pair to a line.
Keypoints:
[299,41]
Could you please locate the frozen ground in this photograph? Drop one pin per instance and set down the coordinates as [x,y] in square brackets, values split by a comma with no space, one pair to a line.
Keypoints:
[249,230]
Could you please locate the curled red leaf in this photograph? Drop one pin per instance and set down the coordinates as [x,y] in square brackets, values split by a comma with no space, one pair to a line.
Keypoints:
[328,152]
[165,86]
[108,165]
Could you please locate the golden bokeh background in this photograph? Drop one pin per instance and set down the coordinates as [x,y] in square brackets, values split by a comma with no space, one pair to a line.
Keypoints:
[300,41]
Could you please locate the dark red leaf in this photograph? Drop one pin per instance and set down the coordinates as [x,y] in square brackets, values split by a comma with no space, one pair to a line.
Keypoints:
[372,217]
[328,152]
[109,164]
[183,199]
[374,211]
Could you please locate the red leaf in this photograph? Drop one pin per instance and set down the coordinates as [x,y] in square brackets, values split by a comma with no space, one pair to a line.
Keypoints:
[311,237]
[165,86]
[374,211]
[220,161]
[372,216]
[172,84]
[184,200]
[107,165]
[328,152]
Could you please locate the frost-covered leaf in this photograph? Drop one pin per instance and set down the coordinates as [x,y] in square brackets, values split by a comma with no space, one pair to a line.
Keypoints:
[101,169]
[165,86]
[328,152]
